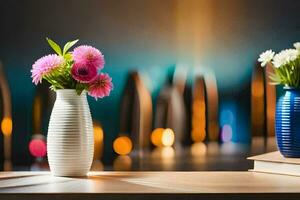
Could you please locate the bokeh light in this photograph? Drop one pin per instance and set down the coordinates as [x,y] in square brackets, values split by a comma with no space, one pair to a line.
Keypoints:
[198,149]
[6,126]
[167,152]
[38,147]
[226,134]
[168,137]
[98,133]
[98,140]
[166,157]
[163,137]
[122,145]
[122,163]
[228,124]
[156,136]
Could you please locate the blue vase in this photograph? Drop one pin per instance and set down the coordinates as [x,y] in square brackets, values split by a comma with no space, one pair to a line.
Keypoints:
[288,123]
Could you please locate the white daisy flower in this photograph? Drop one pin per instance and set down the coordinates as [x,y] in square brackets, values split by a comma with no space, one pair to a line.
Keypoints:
[266,57]
[284,57]
[291,54]
[297,45]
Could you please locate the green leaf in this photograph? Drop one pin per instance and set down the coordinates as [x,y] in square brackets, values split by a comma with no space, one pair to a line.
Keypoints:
[68,57]
[79,88]
[54,46]
[68,45]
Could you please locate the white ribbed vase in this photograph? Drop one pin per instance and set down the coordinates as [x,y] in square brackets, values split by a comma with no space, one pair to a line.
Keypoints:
[70,140]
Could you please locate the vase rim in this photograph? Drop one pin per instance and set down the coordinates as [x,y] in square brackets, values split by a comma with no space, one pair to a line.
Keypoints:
[69,92]
[290,88]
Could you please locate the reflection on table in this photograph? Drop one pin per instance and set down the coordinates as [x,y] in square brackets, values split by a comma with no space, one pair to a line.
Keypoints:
[199,156]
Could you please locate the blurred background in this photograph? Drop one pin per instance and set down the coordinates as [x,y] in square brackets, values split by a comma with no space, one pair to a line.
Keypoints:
[188,92]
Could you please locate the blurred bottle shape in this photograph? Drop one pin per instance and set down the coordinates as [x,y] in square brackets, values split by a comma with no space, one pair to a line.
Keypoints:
[212,99]
[258,110]
[6,122]
[98,140]
[202,103]
[263,102]
[270,101]
[135,114]
[199,110]
[170,106]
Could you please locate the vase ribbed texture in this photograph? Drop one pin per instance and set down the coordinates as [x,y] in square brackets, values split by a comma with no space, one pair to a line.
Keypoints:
[288,123]
[70,140]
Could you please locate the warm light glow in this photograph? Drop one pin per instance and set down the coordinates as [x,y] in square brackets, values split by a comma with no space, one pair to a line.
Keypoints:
[168,137]
[37,147]
[163,137]
[166,157]
[122,163]
[257,88]
[163,152]
[198,121]
[198,149]
[6,126]
[122,145]
[156,136]
[258,102]
[198,133]
[98,134]
[167,152]
[98,140]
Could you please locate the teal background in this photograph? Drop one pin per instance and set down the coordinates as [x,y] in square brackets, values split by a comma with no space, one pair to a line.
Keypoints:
[140,35]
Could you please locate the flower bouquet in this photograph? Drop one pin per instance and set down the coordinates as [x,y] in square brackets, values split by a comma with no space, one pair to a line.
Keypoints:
[77,70]
[72,74]
[286,65]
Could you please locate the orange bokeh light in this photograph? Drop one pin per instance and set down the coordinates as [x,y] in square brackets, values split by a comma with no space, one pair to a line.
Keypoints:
[6,126]
[156,136]
[122,145]
[163,137]
[98,141]
[98,133]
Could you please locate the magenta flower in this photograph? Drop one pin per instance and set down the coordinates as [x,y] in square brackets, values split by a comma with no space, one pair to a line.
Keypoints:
[84,73]
[88,55]
[101,86]
[44,66]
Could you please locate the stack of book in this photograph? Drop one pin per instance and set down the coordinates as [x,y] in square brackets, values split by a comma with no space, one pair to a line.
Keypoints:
[275,163]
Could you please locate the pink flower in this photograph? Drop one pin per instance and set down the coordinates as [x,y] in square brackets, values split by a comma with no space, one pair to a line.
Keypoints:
[44,66]
[101,86]
[84,73]
[88,55]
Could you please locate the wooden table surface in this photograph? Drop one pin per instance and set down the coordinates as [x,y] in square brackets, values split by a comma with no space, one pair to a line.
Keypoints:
[149,185]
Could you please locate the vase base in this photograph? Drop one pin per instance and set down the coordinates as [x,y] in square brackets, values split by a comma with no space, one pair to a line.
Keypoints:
[290,155]
[70,175]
